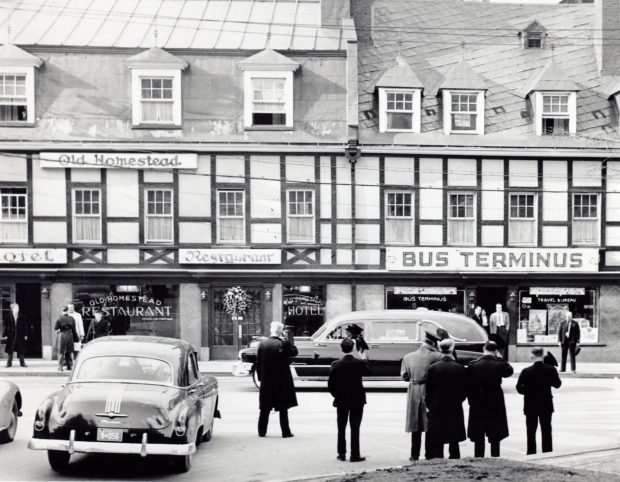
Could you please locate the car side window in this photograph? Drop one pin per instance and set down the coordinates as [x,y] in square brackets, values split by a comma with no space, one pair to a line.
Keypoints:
[337,333]
[394,332]
[192,369]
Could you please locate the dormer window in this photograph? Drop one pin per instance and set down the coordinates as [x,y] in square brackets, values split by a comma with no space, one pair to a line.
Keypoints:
[13,98]
[17,70]
[399,110]
[555,113]
[534,40]
[463,112]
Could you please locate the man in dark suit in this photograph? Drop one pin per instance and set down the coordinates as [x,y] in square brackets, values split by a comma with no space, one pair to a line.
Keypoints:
[15,332]
[277,391]
[446,390]
[535,384]
[569,336]
[345,385]
[487,409]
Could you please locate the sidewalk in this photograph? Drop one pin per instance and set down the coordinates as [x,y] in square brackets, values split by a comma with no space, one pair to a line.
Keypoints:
[223,368]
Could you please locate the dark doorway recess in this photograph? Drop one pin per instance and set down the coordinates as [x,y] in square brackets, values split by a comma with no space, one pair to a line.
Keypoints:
[488,296]
[28,297]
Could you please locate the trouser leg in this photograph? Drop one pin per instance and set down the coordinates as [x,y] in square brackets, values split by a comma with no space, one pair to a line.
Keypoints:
[9,358]
[563,362]
[545,428]
[69,358]
[263,421]
[284,426]
[342,415]
[479,447]
[428,445]
[494,448]
[573,362]
[531,423]
[416,444]
[355,420]
[20,355]
[454,450]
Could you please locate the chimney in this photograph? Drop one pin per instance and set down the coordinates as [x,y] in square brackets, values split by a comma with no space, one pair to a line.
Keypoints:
[362,12]
[333,11]
[606,32]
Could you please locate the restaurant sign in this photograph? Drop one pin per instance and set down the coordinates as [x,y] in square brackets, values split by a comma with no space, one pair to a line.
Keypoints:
[33,256]
[492,259]
[127,160]
[230,256]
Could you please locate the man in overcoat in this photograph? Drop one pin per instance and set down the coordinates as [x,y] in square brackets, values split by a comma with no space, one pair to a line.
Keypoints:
[67,335]
[535,384]
[277,391]
[569,336]
[414,369]
[487,409]
[345,385]
[446,390]
[15,330]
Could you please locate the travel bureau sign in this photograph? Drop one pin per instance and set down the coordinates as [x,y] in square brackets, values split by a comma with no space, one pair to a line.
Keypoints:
[32,256]
[492,259]
[131,160]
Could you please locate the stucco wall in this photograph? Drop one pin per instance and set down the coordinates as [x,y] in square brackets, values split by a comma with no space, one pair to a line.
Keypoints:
[369,297]
[339,300]
[190,323]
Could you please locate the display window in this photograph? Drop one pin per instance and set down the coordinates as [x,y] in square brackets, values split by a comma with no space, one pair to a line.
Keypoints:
[303,308]
[438,298]
[542,310]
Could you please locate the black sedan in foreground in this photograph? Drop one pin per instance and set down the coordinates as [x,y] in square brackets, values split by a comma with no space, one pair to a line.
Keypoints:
[129,395]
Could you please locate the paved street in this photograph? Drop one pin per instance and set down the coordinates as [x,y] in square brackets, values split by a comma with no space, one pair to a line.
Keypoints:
[587,418]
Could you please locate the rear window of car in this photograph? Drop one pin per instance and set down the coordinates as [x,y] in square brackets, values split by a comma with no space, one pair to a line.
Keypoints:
[124,368]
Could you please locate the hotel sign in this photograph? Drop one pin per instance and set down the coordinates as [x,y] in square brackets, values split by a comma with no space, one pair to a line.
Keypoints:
[126,160]
[492,259]
[230,256]
[32,256]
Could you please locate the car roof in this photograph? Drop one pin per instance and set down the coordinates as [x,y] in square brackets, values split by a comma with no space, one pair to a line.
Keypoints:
[169,349]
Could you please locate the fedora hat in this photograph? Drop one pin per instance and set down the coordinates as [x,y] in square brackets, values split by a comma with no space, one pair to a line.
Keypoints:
[354,329]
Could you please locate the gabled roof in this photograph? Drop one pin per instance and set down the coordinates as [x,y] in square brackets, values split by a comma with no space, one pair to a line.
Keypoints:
[12,55]
[268,59]
[534,26]
[399,75]
[550,78]
[461,76]
[155,58]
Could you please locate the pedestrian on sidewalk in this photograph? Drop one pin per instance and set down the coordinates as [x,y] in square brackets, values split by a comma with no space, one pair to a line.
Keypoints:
[79,328]
[414,370]
[569,336]
[487,409]
[277,391]
[446,390]
[499,324]
[15,330]
[345,385]
[67,335]
[535,384]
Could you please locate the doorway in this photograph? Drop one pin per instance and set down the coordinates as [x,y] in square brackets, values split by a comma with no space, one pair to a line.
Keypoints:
[488,296]
[28,297]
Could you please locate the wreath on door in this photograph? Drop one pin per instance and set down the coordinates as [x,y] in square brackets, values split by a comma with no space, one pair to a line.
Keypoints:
[236,301]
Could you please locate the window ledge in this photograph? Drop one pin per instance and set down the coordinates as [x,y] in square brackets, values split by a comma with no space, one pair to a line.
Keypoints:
[466,133]
[150,127]
[269,128]
[17,124]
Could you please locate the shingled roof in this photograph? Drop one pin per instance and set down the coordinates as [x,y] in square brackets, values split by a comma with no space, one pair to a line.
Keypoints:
[399,75]
[435,36]
[550,78]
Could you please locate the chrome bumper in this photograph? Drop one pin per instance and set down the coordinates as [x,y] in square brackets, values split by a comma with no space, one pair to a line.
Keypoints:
[241,369]
[142,448]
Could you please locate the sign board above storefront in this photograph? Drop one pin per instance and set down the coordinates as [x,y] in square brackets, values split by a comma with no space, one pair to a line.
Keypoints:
[126,160]
[230,256]
[493,259]
[32,256]
[558,290]
[424,290]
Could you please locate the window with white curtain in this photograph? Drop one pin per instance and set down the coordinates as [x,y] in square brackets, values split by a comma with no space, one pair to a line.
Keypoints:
[585,219]
[522,228]
[156,100]
[86,216]
[300,212]
[398,217]
[555,114]
[269,101]
[13,215]
[13,98]
[159,216]
[464,111]
[230,216]
[461,219]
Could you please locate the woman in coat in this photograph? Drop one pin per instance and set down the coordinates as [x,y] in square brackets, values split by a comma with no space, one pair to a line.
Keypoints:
[487,409]
[65,325]
[277,391]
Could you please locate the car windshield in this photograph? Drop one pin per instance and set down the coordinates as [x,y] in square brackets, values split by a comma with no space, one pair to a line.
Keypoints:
[124,368]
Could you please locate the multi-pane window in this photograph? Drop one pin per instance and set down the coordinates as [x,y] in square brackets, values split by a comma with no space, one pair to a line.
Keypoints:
[461,219]
[13,98]
[13,215]
[159,216]
[522,228]
[230,216]
[268,101]
[87,215]
[555,114]
[463,111]
[399,217]
[156,100]
[300,207]
[585,219]
[533,40]
[399,111]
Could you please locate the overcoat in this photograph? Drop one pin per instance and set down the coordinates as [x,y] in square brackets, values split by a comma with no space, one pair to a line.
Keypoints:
[345,381]
[446,390]
[15,332]
[272,367]
[535,384]
[67,335]
[414,369]
[487,409]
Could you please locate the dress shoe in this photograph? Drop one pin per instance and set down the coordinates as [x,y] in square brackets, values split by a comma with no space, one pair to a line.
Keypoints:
[262,434]
[288,435]
[24,365]
[357,459]
[413,459]
[342,457]
[8,365]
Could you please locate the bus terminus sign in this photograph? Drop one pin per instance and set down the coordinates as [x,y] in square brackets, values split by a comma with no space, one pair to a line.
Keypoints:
[492,259]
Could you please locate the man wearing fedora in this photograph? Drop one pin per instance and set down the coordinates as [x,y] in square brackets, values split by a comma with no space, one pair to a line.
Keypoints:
[569,336]
[535,383]
[414,369]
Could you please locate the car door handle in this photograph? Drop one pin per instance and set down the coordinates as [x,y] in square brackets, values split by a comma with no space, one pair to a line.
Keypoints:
[320,344]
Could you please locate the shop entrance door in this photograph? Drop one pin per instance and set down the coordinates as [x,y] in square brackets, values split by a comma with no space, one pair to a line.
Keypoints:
[488,296]
[230,335]
[28,297]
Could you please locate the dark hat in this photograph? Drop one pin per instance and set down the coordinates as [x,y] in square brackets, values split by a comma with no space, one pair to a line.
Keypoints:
[446,346]
[64,308]
[490,345]
[431,336]
[537,351]
[499,341]
[354,329]
[442,333]
[549,359]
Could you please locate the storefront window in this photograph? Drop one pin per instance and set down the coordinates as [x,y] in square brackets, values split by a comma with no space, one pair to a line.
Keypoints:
[437,298]
[130,309]
[541,310]
[304,308]
[5,301]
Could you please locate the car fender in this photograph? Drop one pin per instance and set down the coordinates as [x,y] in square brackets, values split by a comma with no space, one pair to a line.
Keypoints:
[8,394]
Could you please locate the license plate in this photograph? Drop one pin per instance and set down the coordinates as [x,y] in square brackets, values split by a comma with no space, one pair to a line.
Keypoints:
[109,435]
